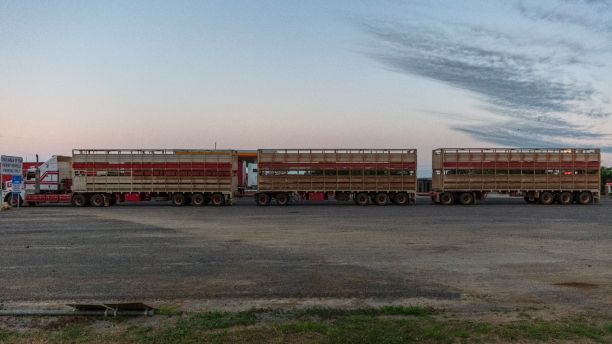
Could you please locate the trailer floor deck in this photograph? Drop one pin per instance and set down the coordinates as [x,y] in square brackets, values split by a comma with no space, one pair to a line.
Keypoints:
[503,252]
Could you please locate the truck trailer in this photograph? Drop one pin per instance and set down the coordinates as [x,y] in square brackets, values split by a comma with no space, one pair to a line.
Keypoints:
[379,176]
[545,176]
[195,177]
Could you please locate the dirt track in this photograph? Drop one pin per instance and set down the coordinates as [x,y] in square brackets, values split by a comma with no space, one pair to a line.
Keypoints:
[500,253]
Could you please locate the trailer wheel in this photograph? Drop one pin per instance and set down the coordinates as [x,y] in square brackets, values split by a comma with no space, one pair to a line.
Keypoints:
[529,200]
[217,199]
[79,200]
[466,198]
[198,199]
[401,198]
[341,196]
[566,198]
[446,198]
[547,198]
[585,197]
[282,199]
[97,200]
[362,199]
[262,199]
[381,198]
[179,199]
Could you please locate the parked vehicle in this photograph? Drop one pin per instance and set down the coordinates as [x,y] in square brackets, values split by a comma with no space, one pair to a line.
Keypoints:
[47,182]
[195,177]
[94,177]
[380,176]
[104,177]
[546,176]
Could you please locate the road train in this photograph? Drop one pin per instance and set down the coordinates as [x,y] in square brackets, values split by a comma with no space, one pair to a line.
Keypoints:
[104,177]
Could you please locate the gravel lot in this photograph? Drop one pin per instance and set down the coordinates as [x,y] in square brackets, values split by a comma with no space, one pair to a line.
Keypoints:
[503,252]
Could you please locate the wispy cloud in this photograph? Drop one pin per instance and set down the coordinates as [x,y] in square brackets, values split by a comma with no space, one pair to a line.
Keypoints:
[581,13]
[533,83]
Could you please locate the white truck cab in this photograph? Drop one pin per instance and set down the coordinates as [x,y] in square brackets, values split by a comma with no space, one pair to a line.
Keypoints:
[51,177]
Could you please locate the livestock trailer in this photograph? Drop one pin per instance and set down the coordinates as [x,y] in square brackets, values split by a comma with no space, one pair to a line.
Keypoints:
[546,175]
[106,176]
[364,175]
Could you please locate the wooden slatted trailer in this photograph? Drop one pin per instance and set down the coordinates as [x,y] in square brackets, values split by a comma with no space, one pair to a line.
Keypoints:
[546,176]
[364,175]
[198,177]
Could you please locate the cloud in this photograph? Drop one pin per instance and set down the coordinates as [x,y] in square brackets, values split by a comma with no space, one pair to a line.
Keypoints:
[579,13]
[535,85]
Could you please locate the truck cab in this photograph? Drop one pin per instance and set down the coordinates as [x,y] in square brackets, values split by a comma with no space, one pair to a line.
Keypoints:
[52,177]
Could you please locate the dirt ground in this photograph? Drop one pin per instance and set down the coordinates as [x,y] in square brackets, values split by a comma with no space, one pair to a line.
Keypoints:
[502,253]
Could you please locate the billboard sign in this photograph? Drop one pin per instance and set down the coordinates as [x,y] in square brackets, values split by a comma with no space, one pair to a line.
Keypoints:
[11,165]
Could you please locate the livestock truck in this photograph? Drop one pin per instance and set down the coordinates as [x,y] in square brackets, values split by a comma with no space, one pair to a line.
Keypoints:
[545,176]
[99,177]
[48,182]
[380,176]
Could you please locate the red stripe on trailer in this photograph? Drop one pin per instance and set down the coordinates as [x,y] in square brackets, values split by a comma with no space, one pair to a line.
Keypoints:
[524,164]
[337,165]
[103,165]
[173,173]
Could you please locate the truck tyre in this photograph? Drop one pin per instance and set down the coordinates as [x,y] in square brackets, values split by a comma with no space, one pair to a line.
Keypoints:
[381,198]
[198,199]
[262,199]
[207,199]
[362,199]
[585,197]
[466,198]
[14,201]
[179,199]
[547,198]
[97,200]
[566,198]
[530,200]
[217,199]
[342,196]
[282,199]
[446,198]
[401,198]
[79,200]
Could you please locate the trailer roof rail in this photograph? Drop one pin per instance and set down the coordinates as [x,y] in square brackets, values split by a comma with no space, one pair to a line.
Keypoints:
[517,150]
[151,151]
[337,150]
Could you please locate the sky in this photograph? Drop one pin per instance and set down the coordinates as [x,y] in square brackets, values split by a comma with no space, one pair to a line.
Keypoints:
[305,74]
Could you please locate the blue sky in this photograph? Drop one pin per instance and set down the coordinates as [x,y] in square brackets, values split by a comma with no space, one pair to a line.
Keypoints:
[260,74]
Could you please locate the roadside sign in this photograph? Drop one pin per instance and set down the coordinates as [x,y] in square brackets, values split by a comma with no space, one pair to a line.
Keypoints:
[16,184]
[11,165]
[16,189]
